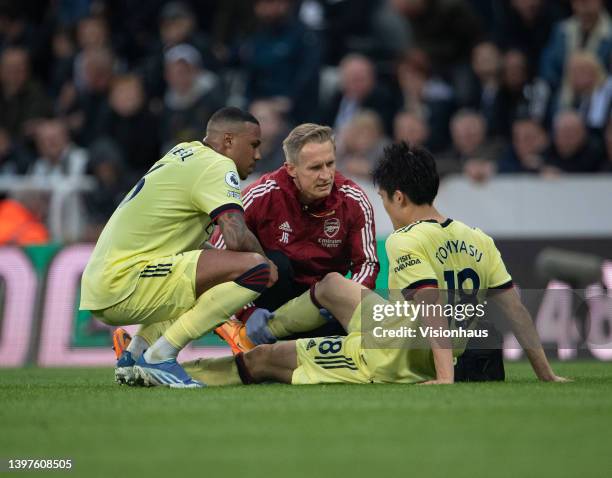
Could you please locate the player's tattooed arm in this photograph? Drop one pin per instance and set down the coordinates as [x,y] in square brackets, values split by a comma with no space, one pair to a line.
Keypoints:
[237,235]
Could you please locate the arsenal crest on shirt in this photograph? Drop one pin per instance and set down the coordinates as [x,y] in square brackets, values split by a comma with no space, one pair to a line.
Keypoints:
[331,227]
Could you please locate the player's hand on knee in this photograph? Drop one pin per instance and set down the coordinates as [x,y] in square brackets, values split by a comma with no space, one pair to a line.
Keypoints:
[257,327]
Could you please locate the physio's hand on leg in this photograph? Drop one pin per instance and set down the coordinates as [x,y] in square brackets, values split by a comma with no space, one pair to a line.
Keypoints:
[257,327]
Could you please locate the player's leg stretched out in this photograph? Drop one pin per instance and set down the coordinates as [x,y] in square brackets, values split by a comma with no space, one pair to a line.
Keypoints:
[280,361]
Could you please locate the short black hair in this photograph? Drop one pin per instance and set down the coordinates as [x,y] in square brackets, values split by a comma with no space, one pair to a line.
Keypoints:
[231,114]
[409,169]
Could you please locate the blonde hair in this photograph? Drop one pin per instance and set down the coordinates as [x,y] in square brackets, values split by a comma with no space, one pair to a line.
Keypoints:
[583,58]
[304,134]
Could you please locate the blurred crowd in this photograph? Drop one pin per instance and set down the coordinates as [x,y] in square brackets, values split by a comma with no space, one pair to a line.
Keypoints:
[103,88]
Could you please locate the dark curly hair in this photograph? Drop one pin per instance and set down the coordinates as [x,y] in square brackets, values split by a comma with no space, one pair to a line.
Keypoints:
[409,169]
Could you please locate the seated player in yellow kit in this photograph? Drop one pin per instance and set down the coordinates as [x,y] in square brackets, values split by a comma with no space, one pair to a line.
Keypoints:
[148,266]
[427,251]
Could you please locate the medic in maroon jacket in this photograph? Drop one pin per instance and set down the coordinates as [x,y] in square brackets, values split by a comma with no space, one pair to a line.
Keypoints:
[335,234]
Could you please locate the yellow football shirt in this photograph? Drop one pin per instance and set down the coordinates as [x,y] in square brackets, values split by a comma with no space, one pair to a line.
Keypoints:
[450,256]
[170,210]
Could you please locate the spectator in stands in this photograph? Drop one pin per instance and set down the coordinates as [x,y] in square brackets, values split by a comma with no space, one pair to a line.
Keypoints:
[281,59]
[358,90]
[274,129]
[129,123]
[84,107]
[17,31]
[526,153]
[484,94]
[360,144]
[177,25]
[513,99]
[193,95]
[471,152]
[411,128]
[359,26]
[91,34]
[392,34]
[589,90]
[106,164]
[525,25]
[426,96]
[231,21]
[14,159]
[133,25]
[573,150]
[446,30]
[63,51]
[590,29]
[58,156]
[22,99]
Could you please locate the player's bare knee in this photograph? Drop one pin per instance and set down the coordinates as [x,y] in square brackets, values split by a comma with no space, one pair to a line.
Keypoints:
[332,279]
[253,272]
[249,261]
[252,259]
[326,287]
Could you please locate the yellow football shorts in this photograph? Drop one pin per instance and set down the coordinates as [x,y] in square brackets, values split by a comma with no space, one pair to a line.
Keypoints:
[345,360]
[333,359]
[165,290]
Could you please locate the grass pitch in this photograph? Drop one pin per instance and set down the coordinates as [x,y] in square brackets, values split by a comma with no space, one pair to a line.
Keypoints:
[520,428]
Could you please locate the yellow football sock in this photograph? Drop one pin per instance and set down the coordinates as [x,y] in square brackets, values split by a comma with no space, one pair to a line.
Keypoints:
[211,309]
[354,324]
[296,316]
[215,371]
[152,332]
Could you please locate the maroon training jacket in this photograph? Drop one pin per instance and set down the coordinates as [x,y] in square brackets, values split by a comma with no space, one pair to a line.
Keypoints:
[336,234]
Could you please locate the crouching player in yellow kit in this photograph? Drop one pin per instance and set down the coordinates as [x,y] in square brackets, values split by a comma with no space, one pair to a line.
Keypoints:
[422,258]
[148,267]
